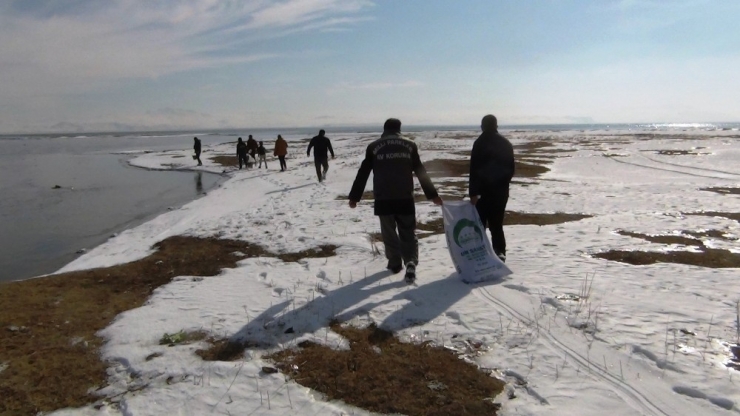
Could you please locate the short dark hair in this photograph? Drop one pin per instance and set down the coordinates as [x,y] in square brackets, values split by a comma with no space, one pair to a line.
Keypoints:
[489,123]
[321,132]
[392,125]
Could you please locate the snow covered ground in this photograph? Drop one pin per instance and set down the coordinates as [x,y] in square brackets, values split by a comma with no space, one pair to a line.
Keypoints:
[641,340]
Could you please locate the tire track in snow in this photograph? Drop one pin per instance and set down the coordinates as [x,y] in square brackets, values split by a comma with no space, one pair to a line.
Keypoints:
[635,398]
[670,170]
[691,167]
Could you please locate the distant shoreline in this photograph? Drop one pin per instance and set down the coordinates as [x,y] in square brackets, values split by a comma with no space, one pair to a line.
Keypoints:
[371,128]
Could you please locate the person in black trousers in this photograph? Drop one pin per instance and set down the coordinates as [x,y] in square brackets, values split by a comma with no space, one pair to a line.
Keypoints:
[393,160]
[241,153]
[491,170]
[196,149]
[320,144]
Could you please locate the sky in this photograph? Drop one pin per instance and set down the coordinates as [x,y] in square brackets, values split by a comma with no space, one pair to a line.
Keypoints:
[71,65]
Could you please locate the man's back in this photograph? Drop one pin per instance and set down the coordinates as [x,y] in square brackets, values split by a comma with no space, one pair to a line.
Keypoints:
[321,146]
[241,148]
[393,160]
[393,166]
[491,163]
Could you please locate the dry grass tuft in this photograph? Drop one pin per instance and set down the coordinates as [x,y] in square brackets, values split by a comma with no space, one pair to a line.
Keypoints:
[48,324]
[381,374]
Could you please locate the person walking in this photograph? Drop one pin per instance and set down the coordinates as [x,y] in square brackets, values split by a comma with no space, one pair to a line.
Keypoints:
[262,153]
[281,150]
[196,149]
[320,144]
[393,159]
[491,170]
[252,147]
[241,153]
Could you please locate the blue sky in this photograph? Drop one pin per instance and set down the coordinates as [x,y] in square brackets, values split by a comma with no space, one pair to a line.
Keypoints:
[200,64]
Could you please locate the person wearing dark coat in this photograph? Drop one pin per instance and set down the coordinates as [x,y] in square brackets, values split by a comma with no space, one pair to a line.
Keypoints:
[491,170]
[241,153]
[196,149]
[262,153]
[281,150]
[320,144]
[393,160]
[252,147]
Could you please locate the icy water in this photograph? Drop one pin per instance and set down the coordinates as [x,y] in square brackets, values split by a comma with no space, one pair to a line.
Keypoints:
[61,195]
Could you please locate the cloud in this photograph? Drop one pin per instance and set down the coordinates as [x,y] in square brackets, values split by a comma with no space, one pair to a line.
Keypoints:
[56,47]
[346,86]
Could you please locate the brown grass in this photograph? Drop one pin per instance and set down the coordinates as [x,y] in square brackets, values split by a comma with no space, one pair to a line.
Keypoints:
[48,324]
[664,239]
[528,218]
[729,215]
[436,226]
[381,374]
[678,152]
[709,257]
[723,190]
[706,257]
[227,161]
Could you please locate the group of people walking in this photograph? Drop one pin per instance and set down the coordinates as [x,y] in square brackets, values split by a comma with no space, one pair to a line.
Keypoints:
[394,160]
[256,150]
[320,144]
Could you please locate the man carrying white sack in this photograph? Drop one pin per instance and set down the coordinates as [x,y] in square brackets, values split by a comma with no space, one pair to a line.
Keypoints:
[491,170]
[393,160]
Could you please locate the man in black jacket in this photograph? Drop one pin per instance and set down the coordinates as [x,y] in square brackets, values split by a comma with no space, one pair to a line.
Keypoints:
[241,153]
[393,160]
[491,170]
[196,149]
[320,145]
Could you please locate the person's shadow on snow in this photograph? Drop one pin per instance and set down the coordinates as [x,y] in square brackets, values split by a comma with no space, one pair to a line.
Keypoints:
[283,322]
[425,303]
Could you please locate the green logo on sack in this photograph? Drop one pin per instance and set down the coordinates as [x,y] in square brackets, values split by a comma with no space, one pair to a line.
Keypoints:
[467,231]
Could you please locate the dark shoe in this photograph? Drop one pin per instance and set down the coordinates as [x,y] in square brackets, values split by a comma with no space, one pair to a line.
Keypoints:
[502,256]
[395,269]
[410,276]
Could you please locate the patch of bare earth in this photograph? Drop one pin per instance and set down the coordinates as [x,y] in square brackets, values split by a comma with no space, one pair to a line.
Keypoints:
[722,190]
[729,215]
[226,161]
[48,325]
[381,374]
[672,152]
[705,257]
[436,226]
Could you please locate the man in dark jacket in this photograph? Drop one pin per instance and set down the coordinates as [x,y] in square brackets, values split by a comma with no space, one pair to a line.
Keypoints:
[320,145]
[393,160]
[252,147]
[196,149]
[491,170]
[241,153]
